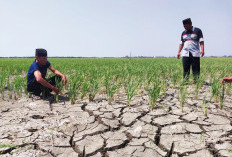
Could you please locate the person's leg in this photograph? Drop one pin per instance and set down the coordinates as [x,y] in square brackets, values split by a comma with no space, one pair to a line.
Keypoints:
[186,67]
[196,68]
[34,87]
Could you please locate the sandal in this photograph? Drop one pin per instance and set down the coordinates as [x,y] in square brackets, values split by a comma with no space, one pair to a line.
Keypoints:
[36,97]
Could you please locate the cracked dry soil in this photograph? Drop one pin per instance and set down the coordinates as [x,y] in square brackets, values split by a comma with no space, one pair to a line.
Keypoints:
[43,128]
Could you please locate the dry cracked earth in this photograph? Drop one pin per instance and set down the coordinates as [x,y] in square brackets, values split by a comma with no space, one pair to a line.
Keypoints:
[46,128]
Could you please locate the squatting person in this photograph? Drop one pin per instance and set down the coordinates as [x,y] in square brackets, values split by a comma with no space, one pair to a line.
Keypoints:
[192,46]
[36,81]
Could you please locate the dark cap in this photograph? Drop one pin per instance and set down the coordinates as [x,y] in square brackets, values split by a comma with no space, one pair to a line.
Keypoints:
[187,21]
[41,52]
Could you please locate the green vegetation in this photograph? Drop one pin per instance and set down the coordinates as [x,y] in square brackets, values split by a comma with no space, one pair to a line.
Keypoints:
[111,77]
[204,107]
[7,145]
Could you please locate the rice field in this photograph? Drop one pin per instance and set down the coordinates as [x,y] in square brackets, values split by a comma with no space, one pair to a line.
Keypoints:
[90,77]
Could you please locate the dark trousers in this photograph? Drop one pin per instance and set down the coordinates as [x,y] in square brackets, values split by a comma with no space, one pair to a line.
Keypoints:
[195,63]
[36,88]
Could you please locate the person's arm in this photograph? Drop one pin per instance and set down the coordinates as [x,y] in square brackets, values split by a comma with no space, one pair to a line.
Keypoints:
[58,73]
[202,48]
[227,80]
[41,80]
[180,48]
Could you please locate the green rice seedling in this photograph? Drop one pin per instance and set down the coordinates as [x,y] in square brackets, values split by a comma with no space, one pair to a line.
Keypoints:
[93,88]
[2,85]
[222,94]
[175,78]
[204,106]
[76,81]
[17,87]
[199,84]
[111,86]
[148,79]
[164,85]
[182,93]
[212,77]
[182,98]
[24,84]
[74,86]
[202,137]
[130,88]
[59,85]
[72,91]
[9,87]
[84,88]
[154,93]
[215,90]
[182,84]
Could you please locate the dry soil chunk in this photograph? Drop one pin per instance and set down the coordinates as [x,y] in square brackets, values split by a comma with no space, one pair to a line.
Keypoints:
[111,123]
[216,119]
[168,119]
[128,118]
[115,139]
[183,143]
[181,128]
[91,143]
[200,153]
[190,117]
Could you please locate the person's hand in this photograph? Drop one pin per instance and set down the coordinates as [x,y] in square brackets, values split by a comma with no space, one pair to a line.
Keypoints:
[226,80]
[56,90]
[64,80]
[202,53]
[178,55]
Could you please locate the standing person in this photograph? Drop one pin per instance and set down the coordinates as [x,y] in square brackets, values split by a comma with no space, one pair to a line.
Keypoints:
[192,46]
[36,81]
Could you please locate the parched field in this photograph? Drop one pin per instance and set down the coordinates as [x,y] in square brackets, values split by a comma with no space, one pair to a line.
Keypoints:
[118,107]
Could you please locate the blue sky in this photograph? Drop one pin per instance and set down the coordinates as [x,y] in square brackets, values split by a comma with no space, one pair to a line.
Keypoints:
[111,28]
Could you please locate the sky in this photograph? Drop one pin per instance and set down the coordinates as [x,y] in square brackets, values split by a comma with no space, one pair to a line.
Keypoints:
[111,28]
